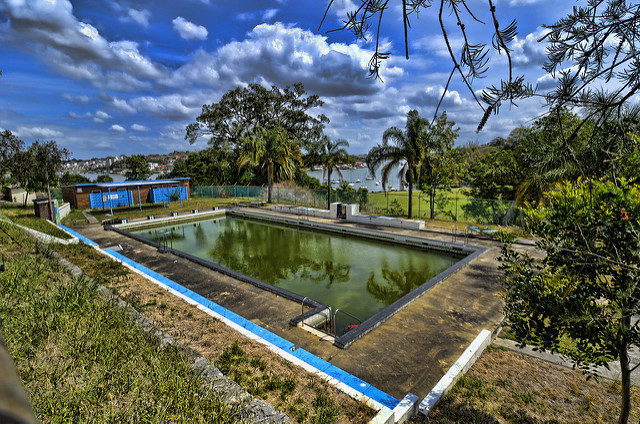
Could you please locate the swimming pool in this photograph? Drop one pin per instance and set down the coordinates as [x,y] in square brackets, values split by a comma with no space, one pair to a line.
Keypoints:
[358,276]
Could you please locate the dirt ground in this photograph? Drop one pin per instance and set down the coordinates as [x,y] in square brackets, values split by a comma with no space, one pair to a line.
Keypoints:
[301,395]
[507,387]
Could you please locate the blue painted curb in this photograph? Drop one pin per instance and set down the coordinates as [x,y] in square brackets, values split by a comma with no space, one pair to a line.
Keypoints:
[79,236]
[316,362]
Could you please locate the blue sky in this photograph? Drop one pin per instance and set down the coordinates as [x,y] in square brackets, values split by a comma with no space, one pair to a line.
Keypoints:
[121,77]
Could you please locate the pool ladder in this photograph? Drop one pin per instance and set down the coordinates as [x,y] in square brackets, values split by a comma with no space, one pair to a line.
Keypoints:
[332,317]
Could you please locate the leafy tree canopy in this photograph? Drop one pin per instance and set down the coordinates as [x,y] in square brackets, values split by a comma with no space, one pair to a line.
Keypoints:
[73,179]
[586,290]
[137,168]
[241,110]
[104,178]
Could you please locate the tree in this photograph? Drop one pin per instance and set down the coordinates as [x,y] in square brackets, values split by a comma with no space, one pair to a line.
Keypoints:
[46,160]
[412,148]
[104,178]
[329,154]
[437,167]
[137,168]
[587,287]
[273,150]
[241,110]
[10,145]
[72,179]
[593,46]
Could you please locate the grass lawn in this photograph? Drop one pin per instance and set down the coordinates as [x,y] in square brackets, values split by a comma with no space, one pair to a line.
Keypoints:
[75,217]
[304,397]
[455,205]
[83,359]
[201,203]
[26,217]
[507,387]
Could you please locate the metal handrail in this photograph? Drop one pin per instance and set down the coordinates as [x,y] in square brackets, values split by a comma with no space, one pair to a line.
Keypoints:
[346,313]
[302,308]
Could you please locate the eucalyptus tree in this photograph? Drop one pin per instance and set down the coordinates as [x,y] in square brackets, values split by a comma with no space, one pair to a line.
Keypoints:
[329,154]
[242,110]
[407,152]
[273,149]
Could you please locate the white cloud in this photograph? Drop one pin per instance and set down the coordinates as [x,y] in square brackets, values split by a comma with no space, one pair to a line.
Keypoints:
[189,30]
[75,115]
[264,15]
[138,127]
[117,128]
[436,45]
[37,132]
[528,51]
[102,115]
[80,98]
[74,48]
[140,17]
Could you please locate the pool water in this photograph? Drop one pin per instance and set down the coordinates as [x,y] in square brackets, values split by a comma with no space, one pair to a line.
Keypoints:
[359,276]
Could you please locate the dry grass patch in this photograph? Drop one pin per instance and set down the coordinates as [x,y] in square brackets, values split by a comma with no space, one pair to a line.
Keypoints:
[304,397]
[507,387]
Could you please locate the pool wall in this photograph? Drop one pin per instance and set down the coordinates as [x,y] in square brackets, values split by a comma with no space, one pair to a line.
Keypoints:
[467,253]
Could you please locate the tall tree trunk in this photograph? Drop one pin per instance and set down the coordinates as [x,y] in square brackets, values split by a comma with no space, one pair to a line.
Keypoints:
[329,188]
[410,214]
[625,376]
[26,196]
[269,180]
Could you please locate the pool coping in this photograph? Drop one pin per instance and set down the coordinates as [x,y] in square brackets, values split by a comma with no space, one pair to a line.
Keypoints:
[347,383]
[468,253]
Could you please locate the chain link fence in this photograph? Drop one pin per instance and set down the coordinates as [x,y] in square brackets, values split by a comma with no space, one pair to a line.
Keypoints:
[447,206]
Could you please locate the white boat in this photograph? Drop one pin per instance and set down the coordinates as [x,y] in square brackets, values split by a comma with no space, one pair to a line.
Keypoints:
[351,185]
[358,181]
[377,182]
[369,178]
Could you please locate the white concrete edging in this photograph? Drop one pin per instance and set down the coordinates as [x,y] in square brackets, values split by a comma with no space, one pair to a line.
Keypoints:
[45,238]
[464,362]
[406,409]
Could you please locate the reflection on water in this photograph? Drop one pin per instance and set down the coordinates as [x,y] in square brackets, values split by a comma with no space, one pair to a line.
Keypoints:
[355,275]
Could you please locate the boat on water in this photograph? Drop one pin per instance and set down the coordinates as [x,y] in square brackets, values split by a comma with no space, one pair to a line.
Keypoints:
[369,178]
[351,185]
[358,181]
[377,182]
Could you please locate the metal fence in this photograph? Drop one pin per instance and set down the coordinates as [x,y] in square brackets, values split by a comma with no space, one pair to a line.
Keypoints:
[447,206]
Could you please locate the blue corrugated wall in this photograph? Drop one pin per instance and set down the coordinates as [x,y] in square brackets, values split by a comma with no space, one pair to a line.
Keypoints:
[159,195]
[111,200]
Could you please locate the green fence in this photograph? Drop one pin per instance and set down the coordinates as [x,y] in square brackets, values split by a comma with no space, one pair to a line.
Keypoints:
[447,206]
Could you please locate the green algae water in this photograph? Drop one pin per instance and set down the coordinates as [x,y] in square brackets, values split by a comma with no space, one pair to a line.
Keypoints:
[359,276]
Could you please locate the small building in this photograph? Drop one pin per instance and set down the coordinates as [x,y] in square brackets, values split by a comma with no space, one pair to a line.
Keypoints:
[17,195]
[126,193]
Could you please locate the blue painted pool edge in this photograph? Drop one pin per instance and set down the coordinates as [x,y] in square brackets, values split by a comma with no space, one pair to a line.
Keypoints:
[310,359]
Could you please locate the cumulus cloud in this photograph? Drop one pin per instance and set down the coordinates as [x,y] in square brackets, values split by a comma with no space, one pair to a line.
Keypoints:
[435,44]
[75,115]
[79,98]
[141,17]
[528,51]
[37,132]
[117,128]
[102,115]
[431,96]
[189,30]
[140,128]
[72,47]
[282,55]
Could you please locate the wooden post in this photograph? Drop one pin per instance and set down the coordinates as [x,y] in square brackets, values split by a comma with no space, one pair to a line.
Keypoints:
[139,198]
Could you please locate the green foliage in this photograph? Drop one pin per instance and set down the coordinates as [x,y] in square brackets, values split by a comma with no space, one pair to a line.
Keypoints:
[241,111]
[273,150]
[104,178]
[302,179]
[72,179]
[395,209]
[137,168]
[329,154]
[78,354]
[586,289]
[10,146]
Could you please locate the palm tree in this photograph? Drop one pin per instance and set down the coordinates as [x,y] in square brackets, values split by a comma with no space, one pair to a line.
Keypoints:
[272,149]
[329,154]
[408,152]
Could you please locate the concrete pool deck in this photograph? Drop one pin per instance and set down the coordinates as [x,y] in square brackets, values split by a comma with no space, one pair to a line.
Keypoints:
[408,353]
